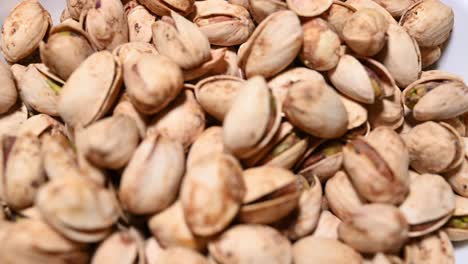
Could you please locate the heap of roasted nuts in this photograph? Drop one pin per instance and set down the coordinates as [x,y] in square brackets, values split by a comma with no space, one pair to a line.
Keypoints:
[231,132]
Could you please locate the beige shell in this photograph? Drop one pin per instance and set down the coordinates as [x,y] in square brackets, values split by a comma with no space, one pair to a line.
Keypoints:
[387,112]
[140,21]
[251,244]
[364,4]
[357,113]
[123,247]
[260,9]
[327,226]
[432,249]
[126,108]
[428,204]
[180,255]
[91,90]
[343,199]
[9,94]
[430,55]
[306,8]
[216,63]
[429,22]
[216,179]
[78,7]
[458,179]
[455,232]
[23,30]
[325,251]
[165,7]
[153,251]
[337,15]
[228,66]
[11,121]
[151,180]
[208,143]
[395,7]
[40,125]
[124,51]
[89,171]
[272,46]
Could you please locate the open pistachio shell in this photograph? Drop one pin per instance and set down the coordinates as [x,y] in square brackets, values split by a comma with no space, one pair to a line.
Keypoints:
[228,66]
[216,62]
[251,244]
[89,170]
[91,90]
[153,251]
[78,7]
[306,8]
[9,94]
[357,113]
[24,28]
[387,112]
[325,251]
[429,205]
[458,179]
[139,24]
[457,227]
[216,179]
[395,7]
[151,180]
[337,15]
[364,4]
[209,142]
[11,121]
[124,51]
[327,226]
[40,125]
[432,249]
[123,247]
[275,55]
[260,9]
[165,7]
[343,199]
[430,55]
[126,108]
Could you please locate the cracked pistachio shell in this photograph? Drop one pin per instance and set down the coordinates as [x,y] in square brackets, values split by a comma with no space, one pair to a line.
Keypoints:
[91,90]
[33,241]
[171,230]
[401,56]
[214,64]
[321,48]
[77,8]
[40,125]
[395,7]
[327,226]
[252,120]
[228,66]
[66,48]
[78,208]
[37,90]
[22,172]
[343,199]
[126,108]
[364,32]
[314,107]
[181,41]
[89,170]
[152,178]
[124,51]
[215,179]
[183,120]
[458,179]
[139,24]
[430,22]
[325,251]
[365,4]
[357,113]
[434,147]
[152,81]
[23,29]
[9,94]
[165,7]
[432,249]
[223,23]
[110,152]
[272,46]
[11,121]
[216,94]
[122,247]
[435,98]
[456,227]
[260,9]
[378,166]
[181,255]
[106,24]
[375,228]
[271,194]
[251,244]
[337,15]
[209,142]
[388,112]
[429,205]
[306,8]
[430,55]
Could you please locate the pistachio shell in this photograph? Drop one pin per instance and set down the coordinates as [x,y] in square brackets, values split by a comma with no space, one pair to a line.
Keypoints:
[123,247]
[228,66]
[338,14]
[78,7]
[139,24]
[9,94]
[343,199]
[23,30]
[91,172]
[209,142]
[454,232]
[11,121]
[309,8]
[216,62]
[39,125]
[327,226]
[458,179]
[387,112]
[260,9]
[325,251]
[165,7]
[251,244]
[430,55]
[357,113]
[395,7]
[151,180]
[125,108]
[275,55]
[362,4]
[124,51]
[180,255]
[153,251]
[243,3]
[432,249]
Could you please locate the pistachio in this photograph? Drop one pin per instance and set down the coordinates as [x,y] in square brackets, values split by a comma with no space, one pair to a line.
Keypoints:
[11,121]
[309,8]
[139,24]
[337,15]
[124,247]
[216,63]
[260,9]
[326,251]
[77,8]
[180,255]
[327,226]
[165,7]
[365,4]
[357,113]
[387,112]
[126,50]
[342,197]
[431,249]
[152,251]
[9,94]
[430,55]
[395,7]
[40,125]
[243,3]
[457,226]
[458,179]
[209,142]
[228,66]
[322,160]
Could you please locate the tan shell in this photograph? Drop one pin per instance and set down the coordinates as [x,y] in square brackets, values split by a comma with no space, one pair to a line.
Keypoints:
[395,7]
[153,251]
[321,49]
[432,249]
[327,226]
[23,30]
[91,90]
[337,15]
[362,4]
[91,172]
[260,9]
[429,22]
[275,55]
[243,3]
[325,251]
[228,65]
[183,120]
[152,178]
[458,179]
[180,255]
[251,244]
[140,21]
[78,7]
[40,125]
[387,112]
[343,199]
[252,120]
[428,204]
[123,247]
[9,94]
[216,179]
[11,121]
[306,8]
[124,51]
[461,210]
[208,143]
[126,108]
[357,113]
[216,62]
[165,7]
[430,55]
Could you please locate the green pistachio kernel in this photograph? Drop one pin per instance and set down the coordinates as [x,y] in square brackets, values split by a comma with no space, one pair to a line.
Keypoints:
[54,86]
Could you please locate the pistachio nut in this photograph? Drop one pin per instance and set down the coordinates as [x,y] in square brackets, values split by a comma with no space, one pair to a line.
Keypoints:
[343,199]
[375,228]
[429,205]
[228,66]
[395,7]
[325,251]
[209,142]
[89,170]
[9,94]
[66,48]
[77,8]
[387,112]
[152,251]
[251,244]
[381,258]
[152,81]
[171,230]
[23,29]
[91,90]
[215,179]
[275,55]
[40,125]
[314,107]
[458,123]
[271,194]
[401,56]
[457,226]
[430,55]
[65,15]
[122,247]
[126,108]
[432,249]
[309,8]
[11,121]
[364,32]
[321,48]
[183,120]
[357,113]
[458,179]
[365,4]
[260,9]
[337,15]
[223,23]
[140,21]
[181,41]
[216,63]
[181,255]
[243,3]
[150,181]
[378,166]
[434,147]
[252,120]
[327,226]
[124,51]
[430,22]
[165,7]
[106,24]
[77,208]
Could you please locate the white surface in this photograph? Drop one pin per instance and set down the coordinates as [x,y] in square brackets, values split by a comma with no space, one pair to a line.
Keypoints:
[454,59]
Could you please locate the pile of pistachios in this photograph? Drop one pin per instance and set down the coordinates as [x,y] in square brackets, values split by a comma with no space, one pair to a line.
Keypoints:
[231,132]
